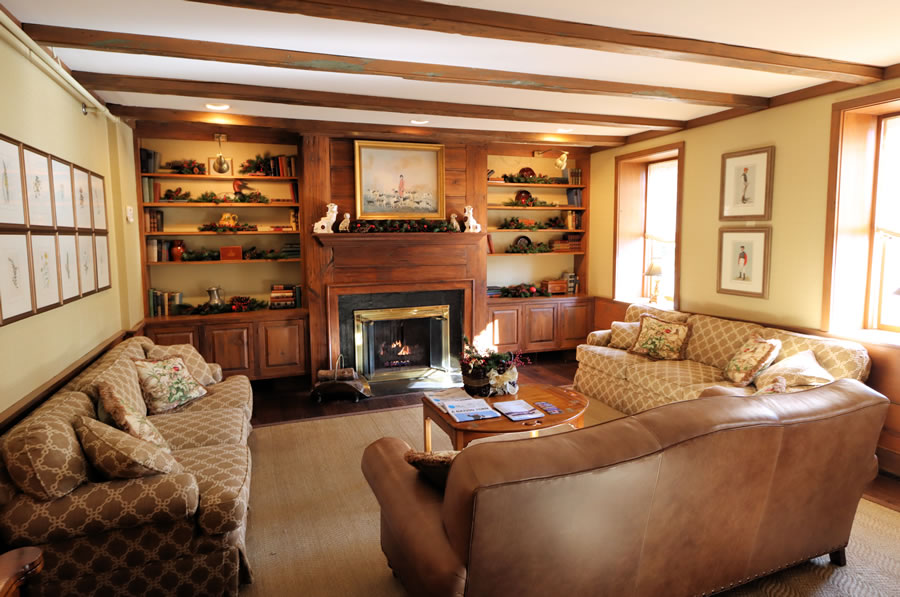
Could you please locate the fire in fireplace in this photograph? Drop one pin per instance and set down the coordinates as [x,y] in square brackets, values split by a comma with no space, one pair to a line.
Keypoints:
[402,343]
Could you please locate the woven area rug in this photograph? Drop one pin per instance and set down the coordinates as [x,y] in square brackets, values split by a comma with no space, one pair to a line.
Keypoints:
[313,527]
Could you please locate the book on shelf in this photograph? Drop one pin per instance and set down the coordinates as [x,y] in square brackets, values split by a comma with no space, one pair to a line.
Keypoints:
[574,197]
[518,410]
[472,409]
[161,302]
[439,397]
[284,296]
[154,220]
[152,250]
[149,160]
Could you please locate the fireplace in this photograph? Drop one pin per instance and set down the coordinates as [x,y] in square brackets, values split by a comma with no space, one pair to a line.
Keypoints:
[402,343]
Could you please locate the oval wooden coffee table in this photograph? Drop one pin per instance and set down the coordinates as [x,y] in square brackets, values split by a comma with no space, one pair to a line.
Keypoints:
[571,403]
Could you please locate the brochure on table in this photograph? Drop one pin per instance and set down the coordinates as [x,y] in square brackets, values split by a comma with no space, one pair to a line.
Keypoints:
[460,406]
[518,410]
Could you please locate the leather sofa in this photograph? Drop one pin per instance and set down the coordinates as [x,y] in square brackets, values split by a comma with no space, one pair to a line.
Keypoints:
[690,498]
[164,534]
[632,383]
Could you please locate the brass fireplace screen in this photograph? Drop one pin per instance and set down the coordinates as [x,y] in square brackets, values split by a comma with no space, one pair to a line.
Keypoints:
[402,343]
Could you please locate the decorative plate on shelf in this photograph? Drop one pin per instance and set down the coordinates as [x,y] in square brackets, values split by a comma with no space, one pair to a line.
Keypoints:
[523,196]
[522,242]
[527,172]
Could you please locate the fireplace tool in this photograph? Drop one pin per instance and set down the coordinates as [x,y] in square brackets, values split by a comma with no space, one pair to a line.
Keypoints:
[340,383]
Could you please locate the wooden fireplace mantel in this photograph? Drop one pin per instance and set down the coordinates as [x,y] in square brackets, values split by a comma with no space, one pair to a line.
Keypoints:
[398,238]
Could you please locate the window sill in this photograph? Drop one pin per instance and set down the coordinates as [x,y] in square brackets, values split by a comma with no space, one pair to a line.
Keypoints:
[869,336]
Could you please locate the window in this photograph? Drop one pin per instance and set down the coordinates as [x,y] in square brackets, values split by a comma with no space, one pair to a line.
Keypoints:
[648,200]
[884,276]
[659,227]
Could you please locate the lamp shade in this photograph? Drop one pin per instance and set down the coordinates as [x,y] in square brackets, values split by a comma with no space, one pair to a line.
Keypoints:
[653,270]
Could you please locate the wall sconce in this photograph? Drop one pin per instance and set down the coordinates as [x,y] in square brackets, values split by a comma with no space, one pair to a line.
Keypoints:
[654,272]
[220,164]
[561,161]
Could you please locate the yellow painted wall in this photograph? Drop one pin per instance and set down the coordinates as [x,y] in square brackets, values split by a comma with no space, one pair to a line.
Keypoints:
[34,109]
[800,133]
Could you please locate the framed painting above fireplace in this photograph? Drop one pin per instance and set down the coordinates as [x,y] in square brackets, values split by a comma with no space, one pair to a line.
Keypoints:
[397,181]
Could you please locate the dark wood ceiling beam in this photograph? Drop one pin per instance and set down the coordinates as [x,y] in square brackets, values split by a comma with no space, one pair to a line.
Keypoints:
[476,22]
[300,97]
[87,39]
[353,129]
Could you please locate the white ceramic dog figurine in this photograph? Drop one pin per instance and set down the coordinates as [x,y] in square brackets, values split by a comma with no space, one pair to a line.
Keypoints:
[344,226]
[471,224]
[325,224]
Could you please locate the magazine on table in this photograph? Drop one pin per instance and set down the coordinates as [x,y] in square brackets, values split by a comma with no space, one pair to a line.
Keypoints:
[438,398]
[518,410]
[473,409]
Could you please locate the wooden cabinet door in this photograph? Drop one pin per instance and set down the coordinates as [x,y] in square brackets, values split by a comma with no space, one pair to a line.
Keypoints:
[540,327]
[281,348]
[504,323]
[575,320]
[169,335]
[231,346]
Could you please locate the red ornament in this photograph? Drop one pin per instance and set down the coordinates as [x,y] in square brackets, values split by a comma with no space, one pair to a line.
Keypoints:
[533,289]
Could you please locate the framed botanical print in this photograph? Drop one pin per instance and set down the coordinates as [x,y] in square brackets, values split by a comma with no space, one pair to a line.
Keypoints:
[15,280]
[12,201]
[101,250]
[37,188]
[86,264]
[399,180]
[61,174]
[98,200]
[46,275]
[68,267]
[81,194]
[746,184]
[744,261]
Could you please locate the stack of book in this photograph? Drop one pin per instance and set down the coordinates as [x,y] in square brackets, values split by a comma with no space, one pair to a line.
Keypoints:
[284,296]
[151,190]
[162,301]
[158,250]
[153,220]
[575,176]
[149,160]
[493,290]
[290,250]
[565,245]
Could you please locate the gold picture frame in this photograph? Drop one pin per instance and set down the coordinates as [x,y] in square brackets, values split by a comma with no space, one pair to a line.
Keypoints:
[399,181]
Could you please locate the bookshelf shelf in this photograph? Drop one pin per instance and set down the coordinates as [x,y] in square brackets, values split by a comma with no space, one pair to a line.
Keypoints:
[494,207]
[225,204]
[535,254]
[534,185]
[226,261]
[240,233]
[219,178]
[528,231]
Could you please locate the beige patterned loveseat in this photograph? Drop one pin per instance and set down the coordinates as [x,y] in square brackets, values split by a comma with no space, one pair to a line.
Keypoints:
[633,383]
[175,533]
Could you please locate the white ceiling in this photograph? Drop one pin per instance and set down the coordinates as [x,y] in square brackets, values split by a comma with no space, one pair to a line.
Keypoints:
[865,34]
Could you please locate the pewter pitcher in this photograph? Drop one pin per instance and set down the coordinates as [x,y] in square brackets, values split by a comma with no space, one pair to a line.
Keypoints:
[215,299]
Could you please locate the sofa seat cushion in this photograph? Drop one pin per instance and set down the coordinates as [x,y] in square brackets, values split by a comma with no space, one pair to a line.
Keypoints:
[669,379]
[234,392]
[199,429]
[841,358]
[223,476]
[611,361]
[44,459]
[714,341]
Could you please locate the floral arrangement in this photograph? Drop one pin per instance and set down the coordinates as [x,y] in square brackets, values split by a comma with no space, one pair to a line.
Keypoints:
[534,179]
[422,225]
[516,223]
[216,227]
[176,195]
[186,167]
[524,291]
[532,248]
[526,200]
[477,363]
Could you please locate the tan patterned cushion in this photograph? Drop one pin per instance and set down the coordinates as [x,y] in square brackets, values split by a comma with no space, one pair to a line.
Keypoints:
[612,361]
[777,386]
[618,393]
[669,379]
[801,369]
[198,368]
[166,384]
[133,348]
[215,370]
[599,338]
[223,475]
[197,429]
[118,455]
[44,459]
[66,405]
[97,507]
[753,356]
[634,312]
[842,358]
[714,341]
[120,396]
[234,392]
[659,339]
[623,334]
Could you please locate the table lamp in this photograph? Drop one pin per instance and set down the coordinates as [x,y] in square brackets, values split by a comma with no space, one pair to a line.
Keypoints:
[654,271]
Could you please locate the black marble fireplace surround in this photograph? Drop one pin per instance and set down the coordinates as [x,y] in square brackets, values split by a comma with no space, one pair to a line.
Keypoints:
[349,303]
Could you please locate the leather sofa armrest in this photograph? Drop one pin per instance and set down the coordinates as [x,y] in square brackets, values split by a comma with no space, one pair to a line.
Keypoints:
[411,509]
[599,338]
[215,370]
[98,507]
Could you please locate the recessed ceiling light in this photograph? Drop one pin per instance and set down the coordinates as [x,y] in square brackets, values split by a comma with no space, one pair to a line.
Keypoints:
[217,107]
[564,130]
[419,121]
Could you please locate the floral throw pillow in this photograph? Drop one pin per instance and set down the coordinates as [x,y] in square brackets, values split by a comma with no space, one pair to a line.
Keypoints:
[120,396]
[662,340]
[166,384]
[751,358]
[198,367]
[623,334]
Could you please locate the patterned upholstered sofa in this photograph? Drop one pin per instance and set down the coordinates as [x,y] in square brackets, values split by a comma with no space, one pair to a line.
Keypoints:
[179,533]
[633,383]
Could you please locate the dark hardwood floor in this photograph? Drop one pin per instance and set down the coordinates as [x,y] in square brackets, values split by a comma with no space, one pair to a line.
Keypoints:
[287,399]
